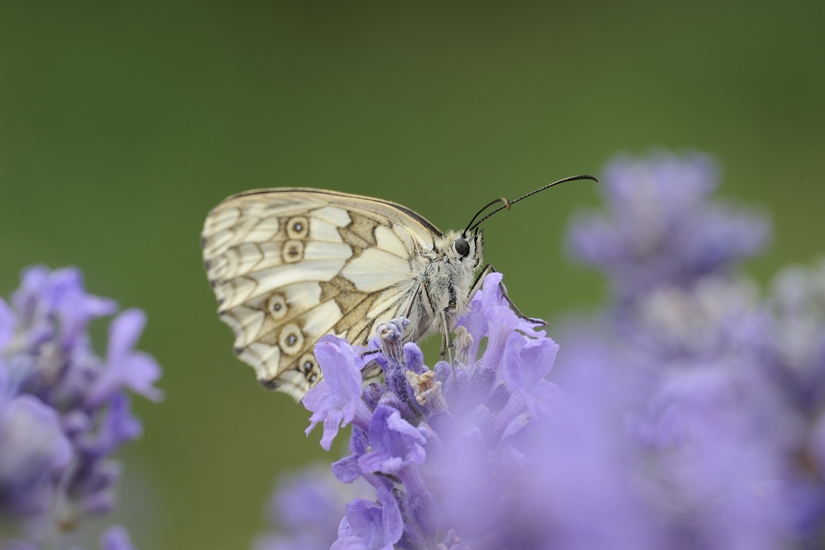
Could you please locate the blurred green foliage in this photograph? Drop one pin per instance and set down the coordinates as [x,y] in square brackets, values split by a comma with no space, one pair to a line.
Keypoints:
[123,123]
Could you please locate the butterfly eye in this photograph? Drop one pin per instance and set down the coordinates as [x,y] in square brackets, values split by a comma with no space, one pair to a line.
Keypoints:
[462,247]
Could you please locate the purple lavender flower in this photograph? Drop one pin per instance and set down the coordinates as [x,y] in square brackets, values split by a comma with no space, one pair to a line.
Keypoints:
[337,398]
[63,409]
[694,446]
[795,354]
[126,368]
[418,424]
[714,412]
[371,526]
[307,507]
[115,538]
[797,342]
[661,226]
[396,444]
[32,449]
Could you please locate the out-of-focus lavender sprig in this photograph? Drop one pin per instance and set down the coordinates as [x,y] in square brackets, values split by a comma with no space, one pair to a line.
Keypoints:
[113,538]
[661,226]
[63,409]
[306,509]
[796,359]
[724,384]
[797,302]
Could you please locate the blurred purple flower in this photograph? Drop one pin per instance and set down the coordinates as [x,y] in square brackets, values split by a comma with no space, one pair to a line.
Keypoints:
[115,538]
[713,416]
[32,448]
[307,507]
[63,410]
[126,368]
[795,354]
[661,226]
[54,304]
[7,323]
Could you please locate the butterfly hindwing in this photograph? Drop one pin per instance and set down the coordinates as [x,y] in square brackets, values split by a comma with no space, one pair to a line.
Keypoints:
[290,265]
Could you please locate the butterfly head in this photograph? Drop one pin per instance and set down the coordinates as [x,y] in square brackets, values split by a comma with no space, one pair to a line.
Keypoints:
[464,248]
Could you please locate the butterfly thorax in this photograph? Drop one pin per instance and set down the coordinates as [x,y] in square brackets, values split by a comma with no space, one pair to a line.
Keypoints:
[445,277]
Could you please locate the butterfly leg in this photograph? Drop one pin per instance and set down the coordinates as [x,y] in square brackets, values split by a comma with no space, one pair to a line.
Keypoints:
[422,297]
[480,279]
[446,339]
[477,286]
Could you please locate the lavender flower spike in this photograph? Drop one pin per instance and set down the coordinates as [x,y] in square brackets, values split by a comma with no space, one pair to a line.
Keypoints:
[63,409]
[660,226]
[424,426]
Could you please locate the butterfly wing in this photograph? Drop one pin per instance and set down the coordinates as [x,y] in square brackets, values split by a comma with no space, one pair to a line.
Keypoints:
[290,265]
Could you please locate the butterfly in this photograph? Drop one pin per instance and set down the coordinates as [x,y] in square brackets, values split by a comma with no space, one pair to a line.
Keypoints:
[289,265]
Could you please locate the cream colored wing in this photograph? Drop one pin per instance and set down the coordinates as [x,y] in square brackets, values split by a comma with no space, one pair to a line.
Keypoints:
[291,265]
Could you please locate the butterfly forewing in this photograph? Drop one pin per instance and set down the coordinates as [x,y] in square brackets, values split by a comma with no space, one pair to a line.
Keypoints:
[291,265]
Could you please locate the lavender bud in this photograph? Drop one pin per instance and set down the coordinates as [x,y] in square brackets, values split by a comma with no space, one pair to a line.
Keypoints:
[391,335]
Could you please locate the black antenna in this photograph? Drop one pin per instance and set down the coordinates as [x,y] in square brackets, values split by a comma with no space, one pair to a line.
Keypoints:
[502,199]
[508,204]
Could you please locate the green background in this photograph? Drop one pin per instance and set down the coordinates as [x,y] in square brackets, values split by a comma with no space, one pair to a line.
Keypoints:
[123,123]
